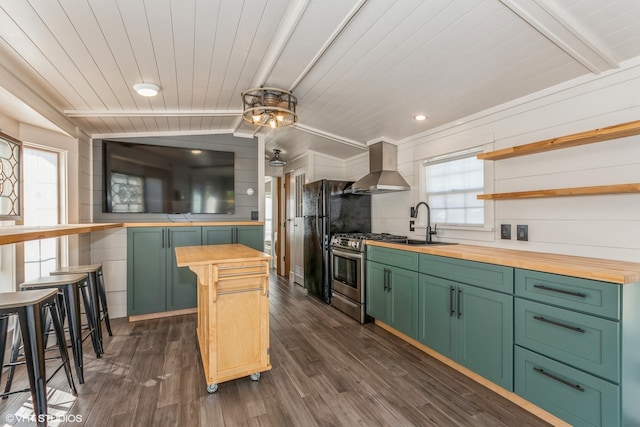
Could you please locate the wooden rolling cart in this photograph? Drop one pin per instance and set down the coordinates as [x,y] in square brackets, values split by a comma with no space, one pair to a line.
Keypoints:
[233,310]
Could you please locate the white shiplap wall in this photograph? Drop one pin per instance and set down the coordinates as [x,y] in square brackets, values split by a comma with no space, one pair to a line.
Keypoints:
[109,247]
[603,226]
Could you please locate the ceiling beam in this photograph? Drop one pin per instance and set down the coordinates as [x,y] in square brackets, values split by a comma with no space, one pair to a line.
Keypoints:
[331,136]
[559,27]
[152,113]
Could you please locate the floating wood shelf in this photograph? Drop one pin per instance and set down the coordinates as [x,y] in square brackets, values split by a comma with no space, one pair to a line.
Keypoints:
[597,135]
[562,192]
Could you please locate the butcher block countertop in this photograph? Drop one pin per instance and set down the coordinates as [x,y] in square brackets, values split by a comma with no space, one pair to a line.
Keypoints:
[22,233]
[217,254]
[620,272]
[187,223]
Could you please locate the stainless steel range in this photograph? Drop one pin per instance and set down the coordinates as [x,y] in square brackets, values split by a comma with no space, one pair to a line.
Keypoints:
[348,271]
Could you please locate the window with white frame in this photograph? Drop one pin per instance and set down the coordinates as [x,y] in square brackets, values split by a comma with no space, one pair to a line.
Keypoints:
[451,185]
[41,207]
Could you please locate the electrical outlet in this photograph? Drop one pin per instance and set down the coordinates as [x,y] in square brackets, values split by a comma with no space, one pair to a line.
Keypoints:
[505,231]
[523,232]
[254,215]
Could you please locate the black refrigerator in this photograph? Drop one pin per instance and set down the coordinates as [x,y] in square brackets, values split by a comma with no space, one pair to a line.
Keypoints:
[329,207]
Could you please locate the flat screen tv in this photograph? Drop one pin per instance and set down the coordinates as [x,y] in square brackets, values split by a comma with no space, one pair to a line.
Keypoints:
[157,179]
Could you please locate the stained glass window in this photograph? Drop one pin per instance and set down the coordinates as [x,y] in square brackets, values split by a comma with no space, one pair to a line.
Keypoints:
[10,191]
[127,193]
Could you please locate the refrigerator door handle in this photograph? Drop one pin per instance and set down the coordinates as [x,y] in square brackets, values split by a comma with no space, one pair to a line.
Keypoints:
[320,202]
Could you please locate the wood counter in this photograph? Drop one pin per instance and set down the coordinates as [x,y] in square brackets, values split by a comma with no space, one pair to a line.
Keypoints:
[233,310]
[620,272]
[22,233]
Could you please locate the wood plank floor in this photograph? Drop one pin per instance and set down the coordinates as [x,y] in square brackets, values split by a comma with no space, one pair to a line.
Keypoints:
[328,370]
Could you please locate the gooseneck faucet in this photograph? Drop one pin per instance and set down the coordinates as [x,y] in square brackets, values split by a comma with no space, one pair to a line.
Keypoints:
[414,214]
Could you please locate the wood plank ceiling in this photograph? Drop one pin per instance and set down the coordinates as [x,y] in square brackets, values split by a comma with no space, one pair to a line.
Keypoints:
[360,68]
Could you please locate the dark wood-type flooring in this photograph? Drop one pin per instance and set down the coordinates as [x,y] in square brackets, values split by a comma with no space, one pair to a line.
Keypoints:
[328,370]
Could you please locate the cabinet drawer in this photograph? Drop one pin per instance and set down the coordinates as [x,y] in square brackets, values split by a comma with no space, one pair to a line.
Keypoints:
[589,296]
[397,258]
[586,342]
[489,276]
[576,397]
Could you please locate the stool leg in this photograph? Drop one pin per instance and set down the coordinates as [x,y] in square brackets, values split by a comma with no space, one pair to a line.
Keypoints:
[62,345]
[13,357]
[72,305]
[86,299]
[33,339]
[4,324]
[103,301]
[95,306]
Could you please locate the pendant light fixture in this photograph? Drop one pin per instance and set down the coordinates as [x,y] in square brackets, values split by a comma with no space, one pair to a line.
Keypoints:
[269,106]
[276,160]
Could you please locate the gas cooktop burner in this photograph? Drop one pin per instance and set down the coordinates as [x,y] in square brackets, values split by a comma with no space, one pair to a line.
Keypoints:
[372,236]
[355,241]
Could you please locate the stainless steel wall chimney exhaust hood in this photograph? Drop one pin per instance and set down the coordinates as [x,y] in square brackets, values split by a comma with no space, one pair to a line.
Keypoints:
[383,174]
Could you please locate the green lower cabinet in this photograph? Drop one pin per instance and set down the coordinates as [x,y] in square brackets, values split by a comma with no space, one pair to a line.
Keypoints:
[154,282]
[182,290]
[470,325]
[573,395]
[249,235]
[146,270]
[392,297]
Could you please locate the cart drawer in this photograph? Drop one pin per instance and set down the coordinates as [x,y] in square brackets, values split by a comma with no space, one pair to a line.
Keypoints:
[576,397]
[588,296]
[586,342]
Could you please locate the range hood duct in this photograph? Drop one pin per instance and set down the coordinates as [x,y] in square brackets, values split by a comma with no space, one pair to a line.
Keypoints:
[383,171]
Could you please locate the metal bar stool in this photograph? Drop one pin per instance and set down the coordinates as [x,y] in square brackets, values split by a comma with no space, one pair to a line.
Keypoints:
[69,286]
[29,306]
[97,292]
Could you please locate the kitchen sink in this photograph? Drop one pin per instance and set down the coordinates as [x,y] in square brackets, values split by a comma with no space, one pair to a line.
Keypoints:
[413,242]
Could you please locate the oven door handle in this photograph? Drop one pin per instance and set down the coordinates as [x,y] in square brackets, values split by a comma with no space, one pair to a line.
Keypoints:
[344,254]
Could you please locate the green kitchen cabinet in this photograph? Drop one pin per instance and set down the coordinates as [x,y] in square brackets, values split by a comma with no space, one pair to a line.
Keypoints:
[249,235]
[570,357]
[468,324]
[154,282]
[392,293]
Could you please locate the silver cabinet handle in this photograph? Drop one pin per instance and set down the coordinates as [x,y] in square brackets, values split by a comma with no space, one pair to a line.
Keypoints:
[560,380]
[562,325]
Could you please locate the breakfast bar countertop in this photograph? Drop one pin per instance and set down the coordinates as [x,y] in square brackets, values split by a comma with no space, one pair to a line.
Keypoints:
[22,233]
[619,272]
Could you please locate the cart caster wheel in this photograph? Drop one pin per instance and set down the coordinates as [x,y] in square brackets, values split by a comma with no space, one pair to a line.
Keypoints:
[255,377]
[212,388]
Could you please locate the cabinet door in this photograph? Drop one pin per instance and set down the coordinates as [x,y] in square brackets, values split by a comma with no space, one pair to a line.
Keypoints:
[251,235]
[182,282]
[437,320]
[218,235]
[146,270]
[485,333]
[403,301]
[376,294]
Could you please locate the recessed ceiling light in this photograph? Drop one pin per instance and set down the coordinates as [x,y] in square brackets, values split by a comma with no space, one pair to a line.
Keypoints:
[146,89]
[420,117]
[196,151]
